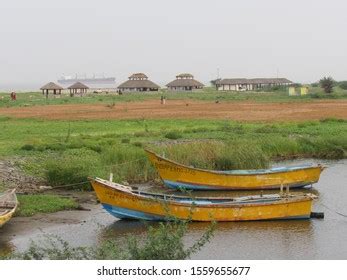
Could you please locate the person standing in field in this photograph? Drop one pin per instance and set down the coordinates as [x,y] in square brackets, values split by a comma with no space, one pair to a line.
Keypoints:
[13,96]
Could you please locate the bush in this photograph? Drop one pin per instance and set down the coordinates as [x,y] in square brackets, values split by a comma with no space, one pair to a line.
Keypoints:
[218,155]
[327,84]
[343,85]
[173,135]
[138,144]
[27,147]
[242,156]
[72,167]
[127,163]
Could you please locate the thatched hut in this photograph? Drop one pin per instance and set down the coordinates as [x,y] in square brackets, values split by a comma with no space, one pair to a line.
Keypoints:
[78,87]
[51,87]
[184,82]
[138,82]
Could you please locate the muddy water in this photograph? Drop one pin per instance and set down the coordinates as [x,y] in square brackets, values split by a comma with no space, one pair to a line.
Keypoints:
[308,239]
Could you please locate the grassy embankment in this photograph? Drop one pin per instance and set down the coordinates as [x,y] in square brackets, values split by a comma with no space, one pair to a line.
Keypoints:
[280,95]
[67,152]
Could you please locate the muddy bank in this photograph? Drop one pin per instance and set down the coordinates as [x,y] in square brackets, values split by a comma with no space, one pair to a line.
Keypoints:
[12,177]
[80,228]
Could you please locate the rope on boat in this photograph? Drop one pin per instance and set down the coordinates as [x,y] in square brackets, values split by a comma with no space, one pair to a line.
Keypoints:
[336,212]
[70,185]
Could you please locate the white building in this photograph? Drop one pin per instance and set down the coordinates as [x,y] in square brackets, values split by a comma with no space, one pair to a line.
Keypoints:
[251,84]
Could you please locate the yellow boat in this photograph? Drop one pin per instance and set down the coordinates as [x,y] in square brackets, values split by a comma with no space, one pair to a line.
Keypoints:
[175,175]
[8,206]
[125,203]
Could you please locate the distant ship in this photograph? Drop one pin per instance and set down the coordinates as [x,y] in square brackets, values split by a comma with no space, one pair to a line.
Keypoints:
[94,80]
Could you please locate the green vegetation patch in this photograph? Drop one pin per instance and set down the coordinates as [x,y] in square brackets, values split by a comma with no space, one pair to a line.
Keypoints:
[30,205]
[65,153]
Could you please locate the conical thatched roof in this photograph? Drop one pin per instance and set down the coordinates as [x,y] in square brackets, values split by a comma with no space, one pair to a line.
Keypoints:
[138,84]
[185,75]
[138,80]
[51,86]
[185,80]
[78,85]
[137,76]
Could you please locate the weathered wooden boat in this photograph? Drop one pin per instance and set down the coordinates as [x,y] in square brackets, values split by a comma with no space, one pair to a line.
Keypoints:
[175,175]
[125,203]
[8,206]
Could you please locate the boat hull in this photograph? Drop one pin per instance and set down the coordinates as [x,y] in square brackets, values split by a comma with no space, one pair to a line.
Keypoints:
[5,218]
[6,215]
[127,205]
[177,176]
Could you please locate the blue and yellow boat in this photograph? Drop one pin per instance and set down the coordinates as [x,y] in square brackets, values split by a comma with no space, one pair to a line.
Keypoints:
[125,203]
[175,175]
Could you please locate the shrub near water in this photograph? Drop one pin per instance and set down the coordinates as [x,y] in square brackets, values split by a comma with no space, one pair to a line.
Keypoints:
[241,156]
[162,242]
[128,163]
[73,166]
[218,155]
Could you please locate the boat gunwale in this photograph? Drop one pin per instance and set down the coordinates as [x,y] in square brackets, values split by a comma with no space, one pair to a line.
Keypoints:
[8,213]
[221,172]
[282,200]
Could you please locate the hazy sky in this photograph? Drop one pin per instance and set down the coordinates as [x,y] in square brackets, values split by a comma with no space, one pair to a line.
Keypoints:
[40,40]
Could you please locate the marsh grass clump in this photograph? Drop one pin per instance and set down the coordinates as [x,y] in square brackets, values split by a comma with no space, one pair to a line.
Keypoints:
[267,129]
[241,157]
[125,141]
[128,163]
[138,144]
[165,242]
[72,167]
[28,147]
[30,205]
[236,128]
[173,135]
[218,155]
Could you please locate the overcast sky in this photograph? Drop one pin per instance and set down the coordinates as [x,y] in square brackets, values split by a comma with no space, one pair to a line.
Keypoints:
[40,40]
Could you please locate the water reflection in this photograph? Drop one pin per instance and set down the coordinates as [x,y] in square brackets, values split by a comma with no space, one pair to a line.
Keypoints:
[231,240]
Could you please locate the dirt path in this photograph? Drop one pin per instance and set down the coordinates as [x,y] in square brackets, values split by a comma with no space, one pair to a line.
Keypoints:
[187,109]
